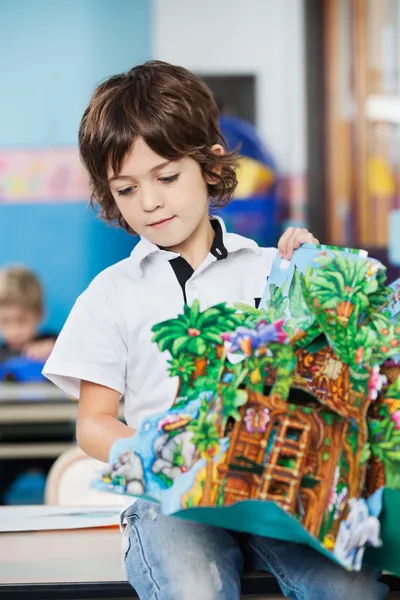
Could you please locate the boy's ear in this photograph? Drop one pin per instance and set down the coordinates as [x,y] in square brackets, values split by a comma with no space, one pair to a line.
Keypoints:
[217,149]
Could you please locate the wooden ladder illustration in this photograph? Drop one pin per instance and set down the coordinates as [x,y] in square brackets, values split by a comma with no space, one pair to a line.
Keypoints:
[288,479]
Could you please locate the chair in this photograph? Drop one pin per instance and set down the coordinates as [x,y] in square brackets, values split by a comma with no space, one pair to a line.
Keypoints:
[69,480]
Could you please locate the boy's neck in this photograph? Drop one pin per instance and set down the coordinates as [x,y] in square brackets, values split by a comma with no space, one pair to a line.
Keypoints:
[196,247]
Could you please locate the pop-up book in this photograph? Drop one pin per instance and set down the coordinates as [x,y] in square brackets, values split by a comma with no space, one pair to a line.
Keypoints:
[286,421]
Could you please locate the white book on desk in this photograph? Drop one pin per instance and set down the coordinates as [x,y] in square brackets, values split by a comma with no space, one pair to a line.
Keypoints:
[49,518]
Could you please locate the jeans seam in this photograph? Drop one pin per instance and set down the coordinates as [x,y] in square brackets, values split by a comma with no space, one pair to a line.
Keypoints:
[128,546]
[273,562]
[149,569]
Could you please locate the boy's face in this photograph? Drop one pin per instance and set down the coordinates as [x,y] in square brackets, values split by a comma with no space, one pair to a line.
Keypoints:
[18,326]
[165,202]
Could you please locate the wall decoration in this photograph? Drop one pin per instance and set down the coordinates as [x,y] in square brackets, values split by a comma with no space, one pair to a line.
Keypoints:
[50,175]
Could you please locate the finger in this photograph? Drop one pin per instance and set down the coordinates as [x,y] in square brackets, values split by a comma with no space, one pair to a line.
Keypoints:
[282,244]
[305,237]
[291,244]
[313,239]
[283,239]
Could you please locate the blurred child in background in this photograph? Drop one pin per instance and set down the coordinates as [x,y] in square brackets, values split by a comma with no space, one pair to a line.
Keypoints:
[22,350]
[21,313]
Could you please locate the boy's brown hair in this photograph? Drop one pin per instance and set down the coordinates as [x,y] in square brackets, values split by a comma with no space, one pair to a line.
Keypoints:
[20,287]
[172,110]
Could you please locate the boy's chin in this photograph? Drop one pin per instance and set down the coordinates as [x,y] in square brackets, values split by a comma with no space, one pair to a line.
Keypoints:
[168,240]
[168,243]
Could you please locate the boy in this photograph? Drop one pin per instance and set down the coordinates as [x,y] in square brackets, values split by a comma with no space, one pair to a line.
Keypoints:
[21,311]
[151,144]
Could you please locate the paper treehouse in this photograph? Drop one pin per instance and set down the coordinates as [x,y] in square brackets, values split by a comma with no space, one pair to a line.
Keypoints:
[286,421]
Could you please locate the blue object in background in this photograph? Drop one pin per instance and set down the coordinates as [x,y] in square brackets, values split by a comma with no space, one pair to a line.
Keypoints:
[256,215]
[22,370]
[255,218]
[27,488]
[241,133]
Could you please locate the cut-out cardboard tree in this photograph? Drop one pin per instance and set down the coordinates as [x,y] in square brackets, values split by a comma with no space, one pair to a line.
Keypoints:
[286,421]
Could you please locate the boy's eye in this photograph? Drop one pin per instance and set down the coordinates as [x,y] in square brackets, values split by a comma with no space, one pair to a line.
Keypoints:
[169,179]
[126,191]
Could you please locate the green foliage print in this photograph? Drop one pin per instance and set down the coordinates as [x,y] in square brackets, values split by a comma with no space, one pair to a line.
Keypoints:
[205,433]
[194,332]
[278,304]
[182,366]
[285,362]
[384,434]
[301,318]
[339,294]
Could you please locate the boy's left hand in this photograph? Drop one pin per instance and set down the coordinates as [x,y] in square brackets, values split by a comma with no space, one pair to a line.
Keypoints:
[292,239]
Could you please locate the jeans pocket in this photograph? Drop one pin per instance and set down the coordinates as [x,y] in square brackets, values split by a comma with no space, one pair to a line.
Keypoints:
[142,510]
[129,513]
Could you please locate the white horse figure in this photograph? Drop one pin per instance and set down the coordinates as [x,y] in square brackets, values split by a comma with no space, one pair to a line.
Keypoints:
[130,467]
[356,533]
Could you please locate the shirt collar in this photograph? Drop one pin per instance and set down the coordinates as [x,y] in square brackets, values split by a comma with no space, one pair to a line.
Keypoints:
[218,248]
[224,243]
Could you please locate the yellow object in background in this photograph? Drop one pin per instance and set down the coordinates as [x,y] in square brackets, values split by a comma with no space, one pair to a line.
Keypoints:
[380,177]
[254,178]
[381,191]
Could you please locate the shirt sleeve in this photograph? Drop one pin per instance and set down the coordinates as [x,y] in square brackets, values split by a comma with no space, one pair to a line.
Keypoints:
[91,345]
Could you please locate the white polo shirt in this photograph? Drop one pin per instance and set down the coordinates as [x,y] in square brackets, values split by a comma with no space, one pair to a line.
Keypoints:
[107,336]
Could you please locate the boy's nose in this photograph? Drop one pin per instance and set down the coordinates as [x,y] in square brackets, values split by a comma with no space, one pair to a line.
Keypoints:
[151,201]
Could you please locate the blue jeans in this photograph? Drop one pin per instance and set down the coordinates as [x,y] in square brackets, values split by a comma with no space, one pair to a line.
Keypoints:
[171,559]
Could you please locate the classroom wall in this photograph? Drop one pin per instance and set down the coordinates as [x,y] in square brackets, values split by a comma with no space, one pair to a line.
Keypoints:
[261,37]
[52,55]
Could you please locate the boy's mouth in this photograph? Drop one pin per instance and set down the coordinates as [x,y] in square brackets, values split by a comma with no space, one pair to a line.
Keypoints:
[162,223]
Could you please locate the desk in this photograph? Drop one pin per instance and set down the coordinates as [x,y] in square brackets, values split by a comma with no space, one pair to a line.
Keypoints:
[72,565]
[82,564]
[22,403]
[62,564]
[37,424]
[24,409]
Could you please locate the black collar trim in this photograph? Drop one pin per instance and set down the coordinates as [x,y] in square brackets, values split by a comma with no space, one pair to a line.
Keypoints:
[218,248]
